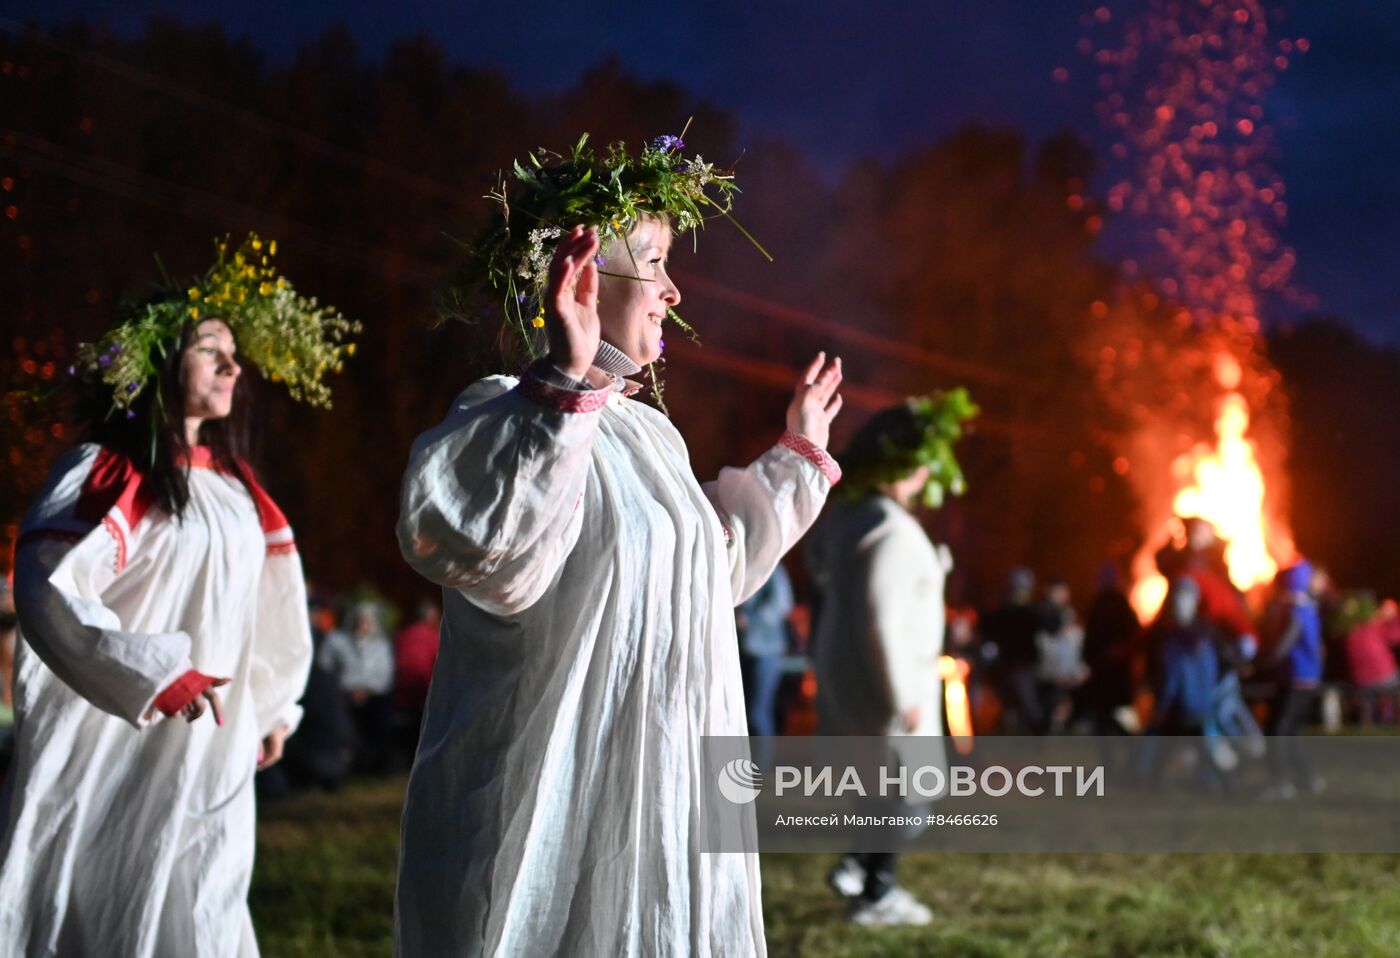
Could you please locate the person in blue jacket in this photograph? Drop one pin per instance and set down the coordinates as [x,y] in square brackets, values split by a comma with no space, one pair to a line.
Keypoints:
[1296,660]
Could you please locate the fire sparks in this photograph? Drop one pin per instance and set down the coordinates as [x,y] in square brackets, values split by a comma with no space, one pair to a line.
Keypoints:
[1182,92]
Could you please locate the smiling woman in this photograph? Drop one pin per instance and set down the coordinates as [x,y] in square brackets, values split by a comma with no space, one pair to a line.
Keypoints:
[589,584]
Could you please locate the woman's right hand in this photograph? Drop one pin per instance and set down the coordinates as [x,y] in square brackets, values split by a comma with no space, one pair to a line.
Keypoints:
[206,699]
[571,303]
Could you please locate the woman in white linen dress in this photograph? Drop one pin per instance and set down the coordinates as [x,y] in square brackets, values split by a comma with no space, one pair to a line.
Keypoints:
[589,643]
[149,589]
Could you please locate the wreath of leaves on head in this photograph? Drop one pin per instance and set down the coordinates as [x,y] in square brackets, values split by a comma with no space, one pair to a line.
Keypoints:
[933,426]
[292,339]
[552,192]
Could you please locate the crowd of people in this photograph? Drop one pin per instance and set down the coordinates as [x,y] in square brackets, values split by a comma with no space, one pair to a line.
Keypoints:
[1212,661]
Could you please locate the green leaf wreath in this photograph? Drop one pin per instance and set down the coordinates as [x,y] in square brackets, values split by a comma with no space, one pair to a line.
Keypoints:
[553,192]
[922,432]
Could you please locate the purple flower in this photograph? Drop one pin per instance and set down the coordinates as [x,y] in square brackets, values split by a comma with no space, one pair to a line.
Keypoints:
[116,348]
[131,414]
[667,143]
[72,370]
[600,262]
[104,360]
[661,344]
[132,387]
[520,298]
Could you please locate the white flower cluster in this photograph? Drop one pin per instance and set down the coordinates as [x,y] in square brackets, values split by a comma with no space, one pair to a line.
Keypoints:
[535,263]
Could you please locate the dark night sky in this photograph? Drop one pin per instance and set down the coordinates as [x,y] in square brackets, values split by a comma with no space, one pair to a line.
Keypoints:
[849,80]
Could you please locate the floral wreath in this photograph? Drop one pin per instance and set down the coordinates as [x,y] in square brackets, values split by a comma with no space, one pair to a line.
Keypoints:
[554,192]
[291,338]
[935,425]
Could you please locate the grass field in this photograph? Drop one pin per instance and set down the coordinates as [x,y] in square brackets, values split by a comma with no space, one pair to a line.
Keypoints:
[325,879]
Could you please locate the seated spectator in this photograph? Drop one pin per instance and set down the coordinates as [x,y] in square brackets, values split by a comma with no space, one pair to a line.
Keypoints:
[361,658]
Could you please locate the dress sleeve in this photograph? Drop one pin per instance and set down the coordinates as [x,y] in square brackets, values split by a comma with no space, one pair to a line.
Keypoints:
[766,507]
[73,545]
[491,501]
[281,660]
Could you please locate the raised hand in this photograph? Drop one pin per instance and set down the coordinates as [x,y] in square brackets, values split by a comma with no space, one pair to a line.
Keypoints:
[815,401]
[571,303]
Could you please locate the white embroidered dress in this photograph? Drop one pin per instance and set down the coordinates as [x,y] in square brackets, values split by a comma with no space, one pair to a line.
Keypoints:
[127,835]
[589,642]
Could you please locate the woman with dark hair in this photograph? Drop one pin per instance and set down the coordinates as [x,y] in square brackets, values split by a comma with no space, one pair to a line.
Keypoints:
[588,648]
[880,632]
[155,580]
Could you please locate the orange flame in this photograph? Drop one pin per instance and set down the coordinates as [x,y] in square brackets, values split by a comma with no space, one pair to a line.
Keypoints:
[1225,486]
[953,672]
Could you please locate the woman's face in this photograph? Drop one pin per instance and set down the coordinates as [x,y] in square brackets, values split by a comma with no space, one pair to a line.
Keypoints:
[631,310]
[208,371]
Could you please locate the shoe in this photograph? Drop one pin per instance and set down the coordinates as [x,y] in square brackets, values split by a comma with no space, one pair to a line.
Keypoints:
[896,907]
[1221,754]
[847,879]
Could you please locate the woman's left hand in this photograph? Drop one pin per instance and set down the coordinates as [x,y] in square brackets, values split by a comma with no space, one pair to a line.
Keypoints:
[815,401]
[271,752]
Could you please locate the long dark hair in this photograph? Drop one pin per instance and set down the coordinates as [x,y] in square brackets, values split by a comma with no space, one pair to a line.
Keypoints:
[152,433]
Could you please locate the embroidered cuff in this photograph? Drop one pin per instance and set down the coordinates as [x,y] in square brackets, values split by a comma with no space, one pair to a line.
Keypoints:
[182,692]
[545,385]
[813,453]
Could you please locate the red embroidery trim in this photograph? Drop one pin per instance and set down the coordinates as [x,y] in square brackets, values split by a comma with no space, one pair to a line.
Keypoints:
[119,537]
[282,548]
[562,400]
[813,453]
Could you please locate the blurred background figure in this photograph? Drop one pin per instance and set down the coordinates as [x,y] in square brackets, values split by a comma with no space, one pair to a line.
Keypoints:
[1296,662]
[1112,644]
[322,752]
[1011,629]
[1185,679]
[1060,652]
[762,623]
[1370,634]
[361,658]
[415,654]
[1222,607]
[881,627]
[8,629]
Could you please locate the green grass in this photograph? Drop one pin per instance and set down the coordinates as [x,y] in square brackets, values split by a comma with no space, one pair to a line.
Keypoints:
[324,886]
